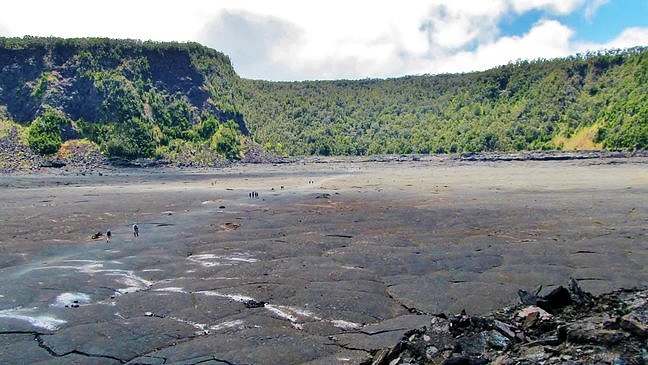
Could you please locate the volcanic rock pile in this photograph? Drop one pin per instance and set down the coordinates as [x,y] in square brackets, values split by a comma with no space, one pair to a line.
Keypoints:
[565,326]
[16,156]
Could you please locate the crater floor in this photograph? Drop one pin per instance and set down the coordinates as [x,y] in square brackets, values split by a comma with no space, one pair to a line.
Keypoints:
[330,261]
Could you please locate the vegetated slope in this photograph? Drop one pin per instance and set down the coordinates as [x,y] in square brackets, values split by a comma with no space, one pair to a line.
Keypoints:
[133,98]
[184,102]
[544,104]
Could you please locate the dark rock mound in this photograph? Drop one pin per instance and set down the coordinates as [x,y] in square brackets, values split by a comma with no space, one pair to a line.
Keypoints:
[137,163]
[544,155]
[55,163]
[251,303]
[566,326]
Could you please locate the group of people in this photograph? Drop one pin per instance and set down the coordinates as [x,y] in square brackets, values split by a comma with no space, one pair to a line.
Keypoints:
[135,232]
[253,194]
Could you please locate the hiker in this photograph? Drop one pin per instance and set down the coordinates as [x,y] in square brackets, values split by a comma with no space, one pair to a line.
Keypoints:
[135,230]
[108,235]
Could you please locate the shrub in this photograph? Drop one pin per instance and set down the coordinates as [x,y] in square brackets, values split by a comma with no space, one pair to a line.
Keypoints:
[44,133]
[227,141]
[131,139]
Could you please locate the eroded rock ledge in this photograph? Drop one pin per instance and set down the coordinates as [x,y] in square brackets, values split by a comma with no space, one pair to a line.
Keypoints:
[565,326]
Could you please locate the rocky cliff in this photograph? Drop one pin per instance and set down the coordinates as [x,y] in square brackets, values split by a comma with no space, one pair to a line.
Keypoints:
[85,78]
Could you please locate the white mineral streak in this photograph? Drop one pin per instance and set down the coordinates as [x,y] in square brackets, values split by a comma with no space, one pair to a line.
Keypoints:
[171,289]
[68,299]
[29,315]
[236,324]
[210,260]
[345,325]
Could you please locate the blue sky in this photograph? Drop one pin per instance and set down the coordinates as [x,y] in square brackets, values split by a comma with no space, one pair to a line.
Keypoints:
[607,22]
[347,39]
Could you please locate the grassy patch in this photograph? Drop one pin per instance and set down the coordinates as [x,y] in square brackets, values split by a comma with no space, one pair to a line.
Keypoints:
[195,153]
[7,125]
[582,139]
[77,147]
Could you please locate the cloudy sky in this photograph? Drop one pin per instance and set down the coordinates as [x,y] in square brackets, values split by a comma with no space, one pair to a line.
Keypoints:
[351,39]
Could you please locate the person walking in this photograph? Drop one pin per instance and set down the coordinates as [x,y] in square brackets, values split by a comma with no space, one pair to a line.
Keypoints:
[135,230]
[108,235]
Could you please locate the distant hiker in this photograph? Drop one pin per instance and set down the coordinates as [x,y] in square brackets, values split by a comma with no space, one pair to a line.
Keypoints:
[108,235]
[135,230]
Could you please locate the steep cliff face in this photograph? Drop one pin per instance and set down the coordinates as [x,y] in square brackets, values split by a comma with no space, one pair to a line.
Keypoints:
[104,80]
[133,98]
[145,99]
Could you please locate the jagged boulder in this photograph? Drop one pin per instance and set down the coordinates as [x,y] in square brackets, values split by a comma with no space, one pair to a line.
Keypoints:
[566,326]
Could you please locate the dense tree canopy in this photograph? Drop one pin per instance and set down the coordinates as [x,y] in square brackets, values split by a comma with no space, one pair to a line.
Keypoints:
[44,133]
[133,98]
[520,106]
[145,99]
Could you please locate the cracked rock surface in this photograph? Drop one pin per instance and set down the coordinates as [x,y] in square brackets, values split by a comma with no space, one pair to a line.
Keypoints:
[331,263]
[582,329]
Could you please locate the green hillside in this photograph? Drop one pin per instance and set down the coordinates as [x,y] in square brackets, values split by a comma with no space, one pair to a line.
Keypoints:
[149,99]
[521,106]
[132,98]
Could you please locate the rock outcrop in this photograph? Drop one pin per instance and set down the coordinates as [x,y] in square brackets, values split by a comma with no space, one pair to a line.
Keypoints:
[565,326]
[17,157]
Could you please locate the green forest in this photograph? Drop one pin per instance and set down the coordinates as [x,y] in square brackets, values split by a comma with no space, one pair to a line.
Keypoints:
[163,100]
[599,98]
[131,98]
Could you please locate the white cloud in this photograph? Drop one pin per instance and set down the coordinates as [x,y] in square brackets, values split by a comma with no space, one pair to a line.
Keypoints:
[336,39]
[457,24]
[630,37]
[4,31]
[251,41]
[341,39]
[592,7]
[547,39]
[296,39]
[555,6]
[116,19]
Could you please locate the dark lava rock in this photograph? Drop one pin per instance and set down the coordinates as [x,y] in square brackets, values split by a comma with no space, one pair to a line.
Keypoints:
[566,326]
[254,304]
[540,155]
[555,300]
[464,360]
[558,298]
[55,163]
[138,163]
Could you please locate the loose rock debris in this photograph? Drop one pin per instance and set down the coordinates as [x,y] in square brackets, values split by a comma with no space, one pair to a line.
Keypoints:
[230,226]
[566,326]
